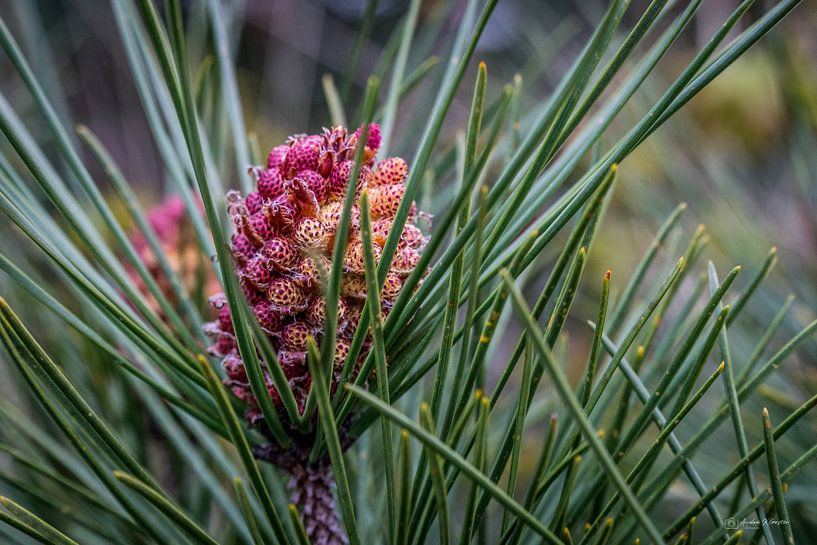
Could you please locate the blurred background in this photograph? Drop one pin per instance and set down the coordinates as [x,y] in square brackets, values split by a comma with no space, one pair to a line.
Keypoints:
[742,155]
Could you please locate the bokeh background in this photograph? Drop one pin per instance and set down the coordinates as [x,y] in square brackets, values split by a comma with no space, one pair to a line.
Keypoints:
[742,155]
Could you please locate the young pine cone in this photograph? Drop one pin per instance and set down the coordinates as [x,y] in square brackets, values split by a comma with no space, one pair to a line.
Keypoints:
[283,244]
[173,228]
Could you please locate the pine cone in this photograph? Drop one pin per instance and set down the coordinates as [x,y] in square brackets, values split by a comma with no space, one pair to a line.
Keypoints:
[174,232]
[283,243]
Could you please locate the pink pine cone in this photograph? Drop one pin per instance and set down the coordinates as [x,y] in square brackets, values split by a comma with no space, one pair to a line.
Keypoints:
[173,228]
[282,246]
[283,242]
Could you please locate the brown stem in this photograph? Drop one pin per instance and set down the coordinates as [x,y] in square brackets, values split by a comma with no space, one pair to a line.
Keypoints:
[311,489]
